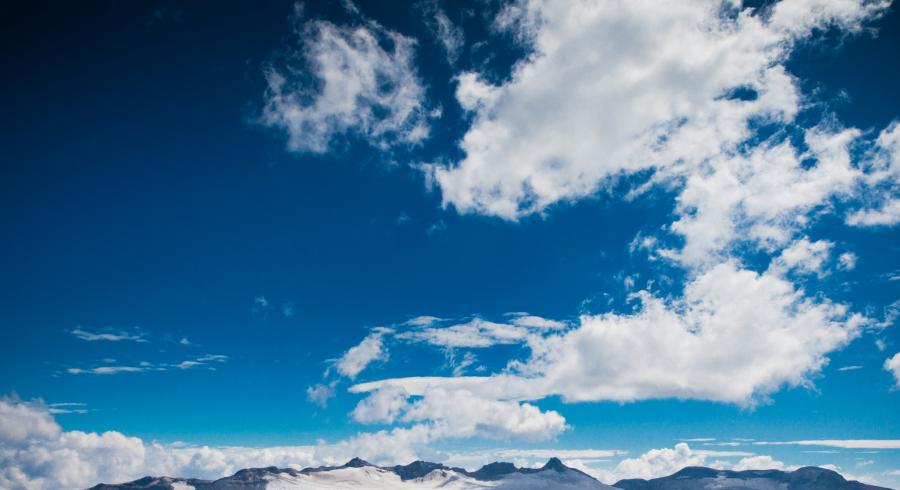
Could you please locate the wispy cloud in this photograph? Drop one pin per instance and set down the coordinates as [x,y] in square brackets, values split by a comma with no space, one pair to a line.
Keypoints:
[316,94]
[111,335]
[67,407]
[205,361]
[849,368]
[839,443]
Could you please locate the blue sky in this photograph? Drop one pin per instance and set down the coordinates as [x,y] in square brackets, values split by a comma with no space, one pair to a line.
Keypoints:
[636,242]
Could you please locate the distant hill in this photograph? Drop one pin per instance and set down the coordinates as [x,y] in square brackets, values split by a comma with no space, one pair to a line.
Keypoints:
[695,478]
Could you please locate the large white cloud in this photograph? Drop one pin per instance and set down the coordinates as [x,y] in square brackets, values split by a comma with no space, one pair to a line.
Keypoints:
[619,87]
[735,336]
[343,80]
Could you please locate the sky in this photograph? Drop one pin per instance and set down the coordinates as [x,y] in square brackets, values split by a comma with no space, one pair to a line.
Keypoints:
[635,235]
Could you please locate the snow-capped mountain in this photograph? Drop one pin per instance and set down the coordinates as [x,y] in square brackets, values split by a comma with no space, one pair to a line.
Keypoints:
[358,474]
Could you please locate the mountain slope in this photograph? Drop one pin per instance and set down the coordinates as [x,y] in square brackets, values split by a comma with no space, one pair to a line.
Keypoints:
[359,474]
[695,478]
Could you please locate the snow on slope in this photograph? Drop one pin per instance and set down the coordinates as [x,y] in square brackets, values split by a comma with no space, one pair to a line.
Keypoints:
[370,477]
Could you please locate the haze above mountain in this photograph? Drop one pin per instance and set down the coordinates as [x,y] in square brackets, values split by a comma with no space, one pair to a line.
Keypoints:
[554,475]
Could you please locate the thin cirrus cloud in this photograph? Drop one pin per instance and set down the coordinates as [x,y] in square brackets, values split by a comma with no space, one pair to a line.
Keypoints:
[207,361]
[449,35]
[67,407]
[110,335]
[839,443]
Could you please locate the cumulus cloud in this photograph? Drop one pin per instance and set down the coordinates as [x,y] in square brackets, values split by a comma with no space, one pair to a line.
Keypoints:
[893,366]
[804,256]
[657,463]
[346,80]
[37,454]
[453,413]
[653,102]
[736,336]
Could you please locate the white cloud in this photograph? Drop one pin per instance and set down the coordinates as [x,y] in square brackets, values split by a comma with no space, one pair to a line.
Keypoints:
[205,361]
[839,443]
[110,335]
[849,368]
[655,463]
[358,357]
[320,394]
[344,80]
[111,369]
[893,365]
[646,87]
[480,333]
[36,454]
[459,413]
[763,462]
[847,261]
[448,34]
[67,407]
[532,321]
[882,189]
[422,321]
[804,256]
[736,336]
[459,366]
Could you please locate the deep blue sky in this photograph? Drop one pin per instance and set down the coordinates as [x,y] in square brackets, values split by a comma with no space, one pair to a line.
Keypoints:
[139,192]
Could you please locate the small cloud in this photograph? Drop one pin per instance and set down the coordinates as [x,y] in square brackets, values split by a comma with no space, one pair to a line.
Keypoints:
[184,341]
[109,335]
[144,366]
[438,227]
[68,407]
[847,261]
[261,306]
[403,218]
[320,394]
[422,321]
[849,368]
[287,310]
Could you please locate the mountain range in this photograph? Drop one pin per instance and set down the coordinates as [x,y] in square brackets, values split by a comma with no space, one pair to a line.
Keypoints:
[359,474]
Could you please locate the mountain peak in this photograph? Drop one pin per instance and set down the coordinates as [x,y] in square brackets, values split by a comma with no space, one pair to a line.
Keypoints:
[357,463]
[555,464]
